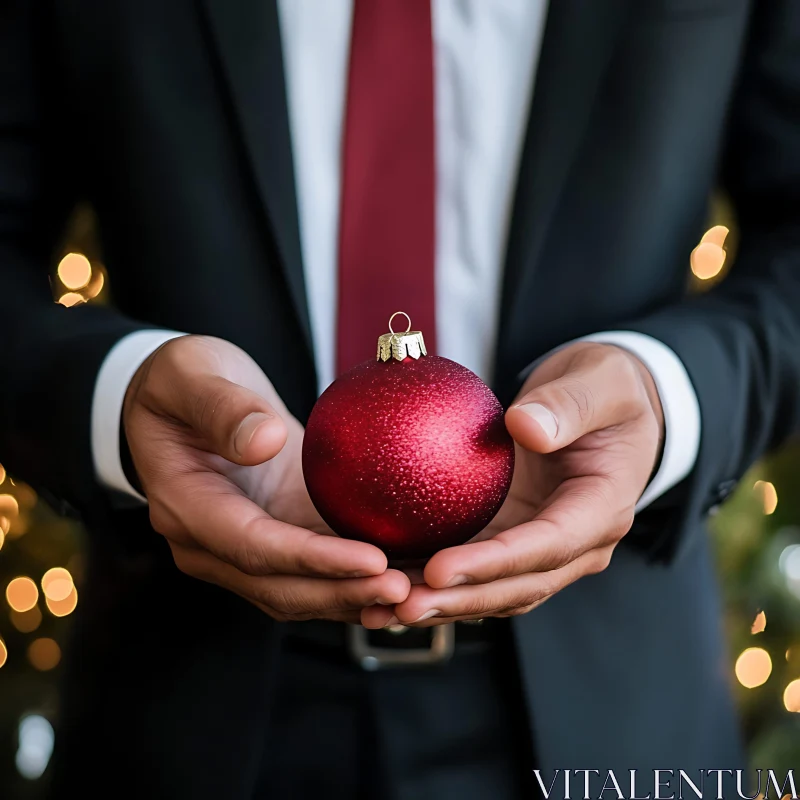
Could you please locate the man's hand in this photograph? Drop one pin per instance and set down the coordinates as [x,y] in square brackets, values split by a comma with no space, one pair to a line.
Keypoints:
[587,426]
[218,456]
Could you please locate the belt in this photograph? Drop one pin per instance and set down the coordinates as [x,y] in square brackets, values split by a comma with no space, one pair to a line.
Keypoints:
[395,647]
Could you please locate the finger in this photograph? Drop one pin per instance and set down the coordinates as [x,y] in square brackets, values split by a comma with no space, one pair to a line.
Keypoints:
[297,597]
[583,514]
[233,421]
[600,386]
[237,423]
[436,621]
[307,595]
[221,519]
[351,616]
[507,597]
[376,617]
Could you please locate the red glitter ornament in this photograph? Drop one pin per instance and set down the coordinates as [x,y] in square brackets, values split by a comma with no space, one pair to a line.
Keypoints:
[408,452]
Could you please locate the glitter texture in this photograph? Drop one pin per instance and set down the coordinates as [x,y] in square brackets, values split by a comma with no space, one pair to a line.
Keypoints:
[411,456]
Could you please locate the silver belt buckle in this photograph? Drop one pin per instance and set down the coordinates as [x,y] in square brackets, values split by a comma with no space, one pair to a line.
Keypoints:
[373,658]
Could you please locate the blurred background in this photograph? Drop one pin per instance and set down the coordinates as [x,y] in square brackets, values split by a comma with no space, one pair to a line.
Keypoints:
[756,535]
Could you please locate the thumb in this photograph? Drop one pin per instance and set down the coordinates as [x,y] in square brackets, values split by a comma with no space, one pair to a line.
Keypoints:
[235,422]
[595,391]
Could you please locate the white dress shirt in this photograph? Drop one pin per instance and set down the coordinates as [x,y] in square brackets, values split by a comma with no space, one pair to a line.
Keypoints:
[485,59]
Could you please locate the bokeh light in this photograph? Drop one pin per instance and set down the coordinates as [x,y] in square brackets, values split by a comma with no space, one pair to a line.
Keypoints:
[74,271]
[65,606]
[708,258]
[26,621]
[22,594]
[2,473]
[759,623]
[789,561]
[3,653]
[791,697]
[44,654]
[71,299]
[35,739]
[96,284]
[789,566]
[57,584]
[9,507]
[753,667]
[769,495]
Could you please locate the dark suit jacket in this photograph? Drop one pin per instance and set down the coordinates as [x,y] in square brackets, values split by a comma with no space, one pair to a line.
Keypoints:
[170,117]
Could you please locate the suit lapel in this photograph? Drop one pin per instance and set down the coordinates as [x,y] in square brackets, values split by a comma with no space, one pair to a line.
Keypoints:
[247,40]
[578,43]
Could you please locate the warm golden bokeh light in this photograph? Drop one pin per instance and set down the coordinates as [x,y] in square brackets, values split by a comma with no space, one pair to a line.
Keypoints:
[96,284]
[717,235]
[2,534]
[26,621]
[707,261]
[3,653]
[60,608]
[57,583]
[2,473]
[708,258]
[768,494]
[75,271]
[753,667]
[22,594]
[59,590]
[71,299]
[44,654]
[791,697]
[759,623]
[9,507]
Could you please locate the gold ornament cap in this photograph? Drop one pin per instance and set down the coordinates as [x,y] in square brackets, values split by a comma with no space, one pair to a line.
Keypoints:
[401,345]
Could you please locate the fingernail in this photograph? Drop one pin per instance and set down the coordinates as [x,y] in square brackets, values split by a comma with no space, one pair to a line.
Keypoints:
[434,612]
[544,416]
[456,581]
[247,429]
[390,622]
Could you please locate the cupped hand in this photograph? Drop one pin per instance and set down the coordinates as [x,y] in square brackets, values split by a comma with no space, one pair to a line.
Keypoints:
[587,425]
[218,456]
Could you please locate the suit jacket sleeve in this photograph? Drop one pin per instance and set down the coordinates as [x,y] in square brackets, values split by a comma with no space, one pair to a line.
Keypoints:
[740,342]
[49,354]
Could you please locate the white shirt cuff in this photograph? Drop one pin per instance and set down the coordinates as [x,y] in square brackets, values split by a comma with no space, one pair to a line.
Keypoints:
[678,400]
[115,374]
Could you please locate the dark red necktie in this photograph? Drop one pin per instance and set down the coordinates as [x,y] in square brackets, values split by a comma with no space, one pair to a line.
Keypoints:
[387,225]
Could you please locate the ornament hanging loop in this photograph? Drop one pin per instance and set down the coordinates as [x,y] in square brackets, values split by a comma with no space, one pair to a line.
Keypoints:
[396,313]
[406,344]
